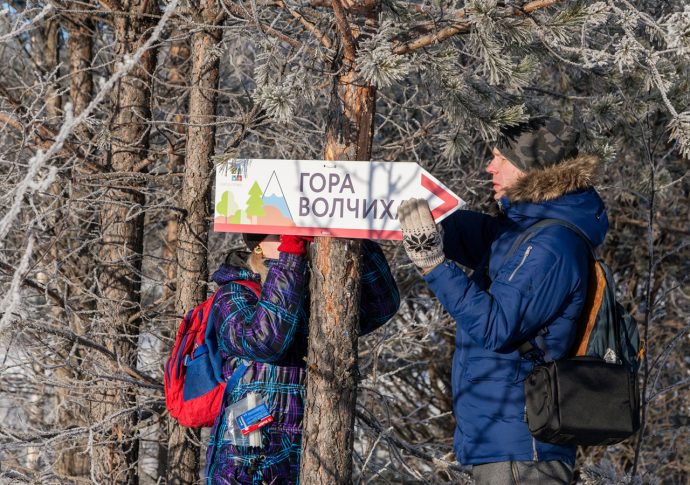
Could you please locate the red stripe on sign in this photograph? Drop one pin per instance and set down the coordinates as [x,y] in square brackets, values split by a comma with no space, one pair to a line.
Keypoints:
[309,231]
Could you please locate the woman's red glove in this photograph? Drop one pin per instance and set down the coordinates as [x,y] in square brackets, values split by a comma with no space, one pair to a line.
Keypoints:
[294,244]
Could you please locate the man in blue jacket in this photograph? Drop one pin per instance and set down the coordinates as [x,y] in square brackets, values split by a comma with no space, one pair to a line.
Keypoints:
[534,294]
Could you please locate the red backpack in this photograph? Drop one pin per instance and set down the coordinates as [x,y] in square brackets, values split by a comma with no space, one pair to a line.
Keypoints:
[194,384]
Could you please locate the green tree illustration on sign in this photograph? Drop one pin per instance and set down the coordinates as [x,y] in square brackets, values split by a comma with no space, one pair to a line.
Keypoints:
[222,206]
[255,204]
[227,205]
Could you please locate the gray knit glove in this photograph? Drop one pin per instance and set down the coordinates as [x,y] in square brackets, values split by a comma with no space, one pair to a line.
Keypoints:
[421,238]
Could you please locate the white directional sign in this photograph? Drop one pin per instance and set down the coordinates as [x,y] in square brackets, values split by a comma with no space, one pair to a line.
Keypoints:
[323,198]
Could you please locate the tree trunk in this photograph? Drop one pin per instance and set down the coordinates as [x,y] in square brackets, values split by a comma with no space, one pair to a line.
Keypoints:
[179,57]
[122,225]
[74,460]
[45,43]
[192,235]
[80,45]
[332,361]
[46,53]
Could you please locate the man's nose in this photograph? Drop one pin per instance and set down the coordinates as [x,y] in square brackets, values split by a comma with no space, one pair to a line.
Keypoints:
[490,166]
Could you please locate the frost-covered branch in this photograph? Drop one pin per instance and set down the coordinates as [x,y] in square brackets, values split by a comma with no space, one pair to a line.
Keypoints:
[45,11]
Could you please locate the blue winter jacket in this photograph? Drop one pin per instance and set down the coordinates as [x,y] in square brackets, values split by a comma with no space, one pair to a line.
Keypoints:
[540,290]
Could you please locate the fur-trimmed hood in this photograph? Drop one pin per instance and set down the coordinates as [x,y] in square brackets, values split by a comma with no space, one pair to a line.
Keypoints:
[565,192]
[541,185]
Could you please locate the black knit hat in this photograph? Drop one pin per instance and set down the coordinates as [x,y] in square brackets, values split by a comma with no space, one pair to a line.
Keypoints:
[253,240]
[539,143]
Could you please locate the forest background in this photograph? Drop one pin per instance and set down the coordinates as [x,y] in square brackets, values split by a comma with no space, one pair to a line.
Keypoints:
[113,114]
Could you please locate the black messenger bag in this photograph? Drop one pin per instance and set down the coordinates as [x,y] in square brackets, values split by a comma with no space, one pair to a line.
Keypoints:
[582,401]
[591,397]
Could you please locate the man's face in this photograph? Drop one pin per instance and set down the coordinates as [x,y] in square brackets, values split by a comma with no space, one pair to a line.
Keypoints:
[503,173]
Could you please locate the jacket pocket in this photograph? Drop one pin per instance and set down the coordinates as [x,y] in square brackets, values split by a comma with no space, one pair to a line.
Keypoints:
[492,369]
[522,261]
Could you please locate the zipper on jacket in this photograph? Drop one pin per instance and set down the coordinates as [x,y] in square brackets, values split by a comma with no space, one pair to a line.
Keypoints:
[524,257]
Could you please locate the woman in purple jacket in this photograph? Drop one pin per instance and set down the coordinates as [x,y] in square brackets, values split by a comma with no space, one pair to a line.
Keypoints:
[269,332]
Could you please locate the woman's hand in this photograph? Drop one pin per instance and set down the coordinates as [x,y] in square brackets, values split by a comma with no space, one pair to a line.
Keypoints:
[294,244]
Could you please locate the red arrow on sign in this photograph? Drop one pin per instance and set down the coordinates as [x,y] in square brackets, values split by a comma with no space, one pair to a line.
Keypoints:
[449,200]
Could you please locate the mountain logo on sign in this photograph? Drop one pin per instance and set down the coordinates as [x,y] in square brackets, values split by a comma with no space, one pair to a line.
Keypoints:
[238,169]
[276,207]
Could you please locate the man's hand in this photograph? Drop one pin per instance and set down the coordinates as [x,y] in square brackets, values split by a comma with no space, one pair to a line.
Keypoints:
[421,239]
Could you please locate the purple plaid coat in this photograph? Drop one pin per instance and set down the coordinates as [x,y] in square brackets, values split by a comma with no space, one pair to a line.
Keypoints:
[271,331]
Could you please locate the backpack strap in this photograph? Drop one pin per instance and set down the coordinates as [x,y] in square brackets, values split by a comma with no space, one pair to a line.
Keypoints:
[528,233]
[230,386]
[576,230]
[236,377]
[252,285]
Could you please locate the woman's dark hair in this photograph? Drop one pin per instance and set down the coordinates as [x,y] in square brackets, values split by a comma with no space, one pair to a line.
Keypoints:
[253,240]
